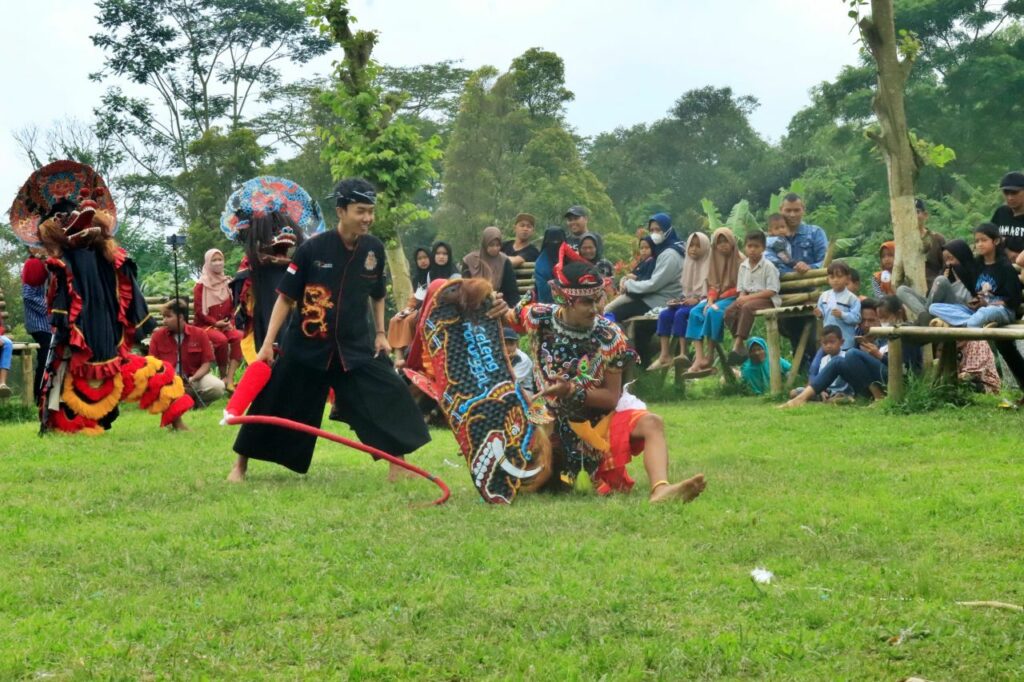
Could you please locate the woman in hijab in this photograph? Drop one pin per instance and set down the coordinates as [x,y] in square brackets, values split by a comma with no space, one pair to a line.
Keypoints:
[954,285]
[755,369]
[491,264]
[590,249]
[672,320]
[640,297]
[442,264]
[402,326]
[707,318]
[214,312]
[543,269]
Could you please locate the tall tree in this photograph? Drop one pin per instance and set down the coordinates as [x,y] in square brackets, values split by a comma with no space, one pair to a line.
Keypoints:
[369,140]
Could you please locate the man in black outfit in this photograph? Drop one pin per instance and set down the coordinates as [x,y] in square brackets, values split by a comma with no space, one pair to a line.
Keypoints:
[1009,218]
[521,250]
[336,280]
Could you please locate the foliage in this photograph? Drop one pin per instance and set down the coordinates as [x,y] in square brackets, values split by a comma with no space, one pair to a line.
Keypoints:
[921,394]
[873,524]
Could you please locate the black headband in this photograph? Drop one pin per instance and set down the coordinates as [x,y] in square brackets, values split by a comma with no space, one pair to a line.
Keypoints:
[354,196]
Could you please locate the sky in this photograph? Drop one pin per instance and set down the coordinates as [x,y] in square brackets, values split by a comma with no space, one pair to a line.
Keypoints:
[627,62]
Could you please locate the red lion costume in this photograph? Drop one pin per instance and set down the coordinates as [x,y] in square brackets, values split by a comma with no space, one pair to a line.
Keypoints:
[96,307]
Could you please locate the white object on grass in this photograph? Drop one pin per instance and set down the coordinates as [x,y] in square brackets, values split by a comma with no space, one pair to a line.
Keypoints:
[762,576]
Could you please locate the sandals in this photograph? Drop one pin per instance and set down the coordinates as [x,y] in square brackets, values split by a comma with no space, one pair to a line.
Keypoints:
[656,365]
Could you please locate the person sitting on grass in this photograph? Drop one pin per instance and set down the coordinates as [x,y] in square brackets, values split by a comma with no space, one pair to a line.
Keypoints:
[865,368]
[831,350]
[6,352]
[522,365]
[672,320]
[881,281]
[838,305]
[755,372]
[707,319]
[757,286]
[196,353]
[954,285]
[997,289]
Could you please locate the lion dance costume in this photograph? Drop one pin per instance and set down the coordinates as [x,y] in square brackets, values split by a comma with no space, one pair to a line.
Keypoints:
[95,306]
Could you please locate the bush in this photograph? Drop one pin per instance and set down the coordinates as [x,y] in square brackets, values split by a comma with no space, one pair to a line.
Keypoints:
[924,395]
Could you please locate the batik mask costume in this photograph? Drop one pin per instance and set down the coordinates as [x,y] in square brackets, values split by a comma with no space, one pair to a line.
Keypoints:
[95,306]
[458,358]
[583,438]
[254,287]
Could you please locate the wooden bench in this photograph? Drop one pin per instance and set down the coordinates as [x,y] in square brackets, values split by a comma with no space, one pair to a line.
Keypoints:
[27,352]
[799,297]
[524,277]
[946,337]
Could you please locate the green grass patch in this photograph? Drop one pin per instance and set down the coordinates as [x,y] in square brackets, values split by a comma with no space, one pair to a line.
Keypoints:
[126,556]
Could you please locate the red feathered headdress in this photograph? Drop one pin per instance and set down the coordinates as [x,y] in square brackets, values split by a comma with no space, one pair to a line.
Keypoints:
[585,281]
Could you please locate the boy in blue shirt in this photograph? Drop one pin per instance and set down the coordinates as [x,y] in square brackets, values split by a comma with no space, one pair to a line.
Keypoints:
[839,305]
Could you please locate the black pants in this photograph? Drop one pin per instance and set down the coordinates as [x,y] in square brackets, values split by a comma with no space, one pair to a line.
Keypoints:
[43,339]
[1008,349]
[372,399]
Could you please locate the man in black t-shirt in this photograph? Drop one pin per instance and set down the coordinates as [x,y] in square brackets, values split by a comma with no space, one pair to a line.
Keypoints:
[336,283]
[1009,217]
[520,250]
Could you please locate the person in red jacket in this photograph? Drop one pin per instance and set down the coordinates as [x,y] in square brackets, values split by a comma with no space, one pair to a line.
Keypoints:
[214,311]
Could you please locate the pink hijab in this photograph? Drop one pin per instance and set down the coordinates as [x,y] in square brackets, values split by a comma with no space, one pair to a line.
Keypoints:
[215,287]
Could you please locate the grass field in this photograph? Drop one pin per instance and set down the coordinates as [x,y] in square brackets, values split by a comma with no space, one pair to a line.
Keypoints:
[127,557]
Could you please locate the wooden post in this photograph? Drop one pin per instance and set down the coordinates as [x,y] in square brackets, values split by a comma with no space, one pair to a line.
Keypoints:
[895,368]
[798,355]
[723,357]
[28,375]
[774,354]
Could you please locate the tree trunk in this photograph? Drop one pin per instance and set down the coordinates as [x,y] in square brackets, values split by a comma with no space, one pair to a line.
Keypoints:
[902,163]
[401,283]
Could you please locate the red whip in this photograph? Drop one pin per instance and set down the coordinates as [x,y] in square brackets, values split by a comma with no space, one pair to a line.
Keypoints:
[253,381]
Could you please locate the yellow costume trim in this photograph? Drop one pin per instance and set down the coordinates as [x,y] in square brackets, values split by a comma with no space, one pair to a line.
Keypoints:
[142,377]
[144,320]
[596,436]
[168,394]
[94,411]
[249,351]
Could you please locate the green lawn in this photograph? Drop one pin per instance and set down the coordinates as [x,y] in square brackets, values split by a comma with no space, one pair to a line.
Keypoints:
[127,557]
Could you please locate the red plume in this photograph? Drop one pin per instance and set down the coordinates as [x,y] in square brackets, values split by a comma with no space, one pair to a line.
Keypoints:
[566,254]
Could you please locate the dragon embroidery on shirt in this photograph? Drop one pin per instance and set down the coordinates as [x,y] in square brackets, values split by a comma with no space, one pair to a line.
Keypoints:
[316,301]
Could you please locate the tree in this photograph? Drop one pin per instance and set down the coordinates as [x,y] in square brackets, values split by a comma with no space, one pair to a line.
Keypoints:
[538,80]
[901,159]
[203,62]
[368,140]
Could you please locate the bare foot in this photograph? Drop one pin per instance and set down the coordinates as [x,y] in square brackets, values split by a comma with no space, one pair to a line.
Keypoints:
[237,474]
[687,490]
[179,425]
[397,473]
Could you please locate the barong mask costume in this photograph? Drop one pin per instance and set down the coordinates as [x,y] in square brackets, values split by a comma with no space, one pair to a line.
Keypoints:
[95,305]
[458,358]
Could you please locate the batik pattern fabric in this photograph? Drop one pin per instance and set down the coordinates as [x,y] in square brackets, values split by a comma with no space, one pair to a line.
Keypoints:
[47,186]
[265,194]
[592,441]
[458,359]
[98,312]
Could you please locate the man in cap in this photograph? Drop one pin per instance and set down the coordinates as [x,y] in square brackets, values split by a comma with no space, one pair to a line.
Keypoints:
[576,219]
[521,250]
[1009,217]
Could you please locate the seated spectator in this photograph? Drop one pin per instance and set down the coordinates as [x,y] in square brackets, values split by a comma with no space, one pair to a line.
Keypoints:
[865,368]
[643,264]
[402,325]
[491,264]
[706,321]
[997,288]
[931,245]
[577,219]
[521,250]
[522,365]
[196,353]
[830,350]
[672,320]
[954,285]
[881,281]
[755,372]
[6,353]
[543,269]
[976,365]
[215,314]
[855,283]
[777,244]
[868,317]
[839,305]
[640,297]
[757,288]
[590,249]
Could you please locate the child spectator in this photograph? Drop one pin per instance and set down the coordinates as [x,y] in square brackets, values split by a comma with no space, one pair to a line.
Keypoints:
[839,305]
[831,349]
[976,364]
[881,281]
[757,286]
[777,242]
[644,267]
[997,290]
[755,372]
[522,365]
[6,353]
[672,320]
[866,368]
[706,320]
[855,283]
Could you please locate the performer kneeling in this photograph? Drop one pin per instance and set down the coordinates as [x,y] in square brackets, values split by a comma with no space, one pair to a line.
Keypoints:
[335,278]
[580,360]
